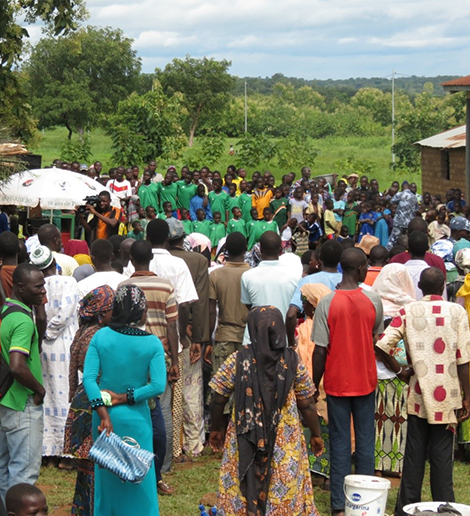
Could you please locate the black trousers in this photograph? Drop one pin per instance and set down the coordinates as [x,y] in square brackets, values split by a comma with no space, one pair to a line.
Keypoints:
[434,441]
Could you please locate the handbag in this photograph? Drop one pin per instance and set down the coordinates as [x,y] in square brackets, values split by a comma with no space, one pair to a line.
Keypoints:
[128,461]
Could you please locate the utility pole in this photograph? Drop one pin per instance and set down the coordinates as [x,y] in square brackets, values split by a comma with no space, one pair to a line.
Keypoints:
[246,111]
[393,114]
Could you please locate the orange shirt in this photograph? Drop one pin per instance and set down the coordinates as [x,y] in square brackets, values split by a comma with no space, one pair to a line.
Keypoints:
[372,274]
[102,229]
[261,200]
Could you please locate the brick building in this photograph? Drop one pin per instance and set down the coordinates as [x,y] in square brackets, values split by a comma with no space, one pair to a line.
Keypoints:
[443,161]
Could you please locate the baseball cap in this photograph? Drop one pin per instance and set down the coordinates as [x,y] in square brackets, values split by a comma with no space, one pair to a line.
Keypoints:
[42,257]
[460,224]
[176,228]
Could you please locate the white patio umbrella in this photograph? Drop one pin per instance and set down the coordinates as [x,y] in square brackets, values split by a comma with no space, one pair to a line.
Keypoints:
[53,188]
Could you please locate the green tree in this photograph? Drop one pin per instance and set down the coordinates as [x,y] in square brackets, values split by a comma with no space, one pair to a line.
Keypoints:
[75,80]
[147,126]
[205,84]
[60,17]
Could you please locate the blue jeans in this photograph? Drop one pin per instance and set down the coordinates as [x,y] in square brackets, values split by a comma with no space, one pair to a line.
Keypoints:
[20,445]
[159,438]
[340,409]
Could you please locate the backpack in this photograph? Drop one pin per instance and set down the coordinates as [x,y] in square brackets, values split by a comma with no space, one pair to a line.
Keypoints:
[6,376]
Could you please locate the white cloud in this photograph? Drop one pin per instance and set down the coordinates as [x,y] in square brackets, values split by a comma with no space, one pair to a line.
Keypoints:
[303,38]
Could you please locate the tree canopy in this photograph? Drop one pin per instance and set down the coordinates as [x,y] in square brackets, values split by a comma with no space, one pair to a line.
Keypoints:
[76,79]
[205,84]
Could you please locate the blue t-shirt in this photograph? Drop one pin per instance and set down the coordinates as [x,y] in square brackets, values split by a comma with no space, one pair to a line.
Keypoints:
[329,279]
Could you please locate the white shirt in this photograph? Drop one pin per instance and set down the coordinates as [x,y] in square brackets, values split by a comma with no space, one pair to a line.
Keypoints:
[272,284]
[98,279]
[66,263]
[121,189]
[415,268]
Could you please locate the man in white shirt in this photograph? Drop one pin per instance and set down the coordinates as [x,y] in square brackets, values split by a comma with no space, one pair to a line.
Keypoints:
[271,283]
[417,246]
[50,236]
[119,186]
[101,253]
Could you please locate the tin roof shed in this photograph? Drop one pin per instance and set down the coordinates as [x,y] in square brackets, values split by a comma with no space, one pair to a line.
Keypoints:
[451,139]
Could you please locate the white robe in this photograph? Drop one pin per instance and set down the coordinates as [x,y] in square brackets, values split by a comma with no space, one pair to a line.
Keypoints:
[62,323]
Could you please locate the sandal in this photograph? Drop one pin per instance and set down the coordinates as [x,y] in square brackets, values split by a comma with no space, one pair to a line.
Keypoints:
[182,459]
[164,489]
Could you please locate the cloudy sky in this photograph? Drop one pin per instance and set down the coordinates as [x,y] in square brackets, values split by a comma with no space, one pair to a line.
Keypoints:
[302,38]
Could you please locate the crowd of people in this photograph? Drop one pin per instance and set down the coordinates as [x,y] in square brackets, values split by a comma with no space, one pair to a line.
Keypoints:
[302,329]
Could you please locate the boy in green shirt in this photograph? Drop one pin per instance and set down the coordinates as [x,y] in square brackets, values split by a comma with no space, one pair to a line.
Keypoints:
[217,229]
[167,211]
[218,199]
[148,192]
[236,223]
[261,226]
[201,225]
[232,198]
[245,202]
[167,191]
[187,224]
[186,190]
[280,207]
[137,232]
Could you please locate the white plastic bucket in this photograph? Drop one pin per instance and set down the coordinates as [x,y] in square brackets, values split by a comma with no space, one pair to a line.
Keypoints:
[432,506]
[365,495]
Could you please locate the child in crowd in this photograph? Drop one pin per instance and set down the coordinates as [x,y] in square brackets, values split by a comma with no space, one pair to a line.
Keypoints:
[26,500]
[217,230]
[167,211]
[382,215]
[343,233]
[218,199]
[315,230]
[245,201]
[329,220]
[201,225]
[286,236]
[366,220]
[236,223]
[150,213]
[232,200]
[314,206]
[300,238]
[297,205]
[280,207]
[137,232]
[187,224]
[142,219]
[438,229]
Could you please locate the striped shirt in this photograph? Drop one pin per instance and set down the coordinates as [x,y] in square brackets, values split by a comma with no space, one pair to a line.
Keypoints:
[161,301]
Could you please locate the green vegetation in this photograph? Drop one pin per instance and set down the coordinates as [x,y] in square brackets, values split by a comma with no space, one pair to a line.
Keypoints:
[197,482]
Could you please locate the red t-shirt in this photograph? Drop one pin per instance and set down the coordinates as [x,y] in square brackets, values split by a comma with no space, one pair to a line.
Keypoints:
[431,259]
[345,322]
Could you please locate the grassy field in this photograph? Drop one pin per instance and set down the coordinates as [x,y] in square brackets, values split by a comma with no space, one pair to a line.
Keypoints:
[197,483]
[333,151]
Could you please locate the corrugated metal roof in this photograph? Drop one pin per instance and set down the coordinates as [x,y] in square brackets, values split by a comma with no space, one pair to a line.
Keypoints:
[461,81]
[451,139]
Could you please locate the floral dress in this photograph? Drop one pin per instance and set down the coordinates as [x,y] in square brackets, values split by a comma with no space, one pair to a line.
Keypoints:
[290,489]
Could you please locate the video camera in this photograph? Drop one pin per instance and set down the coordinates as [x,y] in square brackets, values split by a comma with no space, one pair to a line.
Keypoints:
[92,200]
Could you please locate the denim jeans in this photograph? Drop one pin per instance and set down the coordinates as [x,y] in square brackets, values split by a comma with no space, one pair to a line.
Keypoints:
[159,438]
[165,405]
[20,445]
[340,409]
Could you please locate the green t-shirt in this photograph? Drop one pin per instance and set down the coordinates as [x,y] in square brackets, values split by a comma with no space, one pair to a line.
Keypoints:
[167,193]
[18,334]
[136,236]
[280,208]
[149,196]
[203,227]
[188,226]
[236,225]
[260,227]
[245,204]
[217,232]
[185,193]
[232,202]
[219,202]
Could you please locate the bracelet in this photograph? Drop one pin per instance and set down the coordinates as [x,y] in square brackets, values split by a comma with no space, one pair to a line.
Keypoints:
[97,402]
[398,373]
[130,396]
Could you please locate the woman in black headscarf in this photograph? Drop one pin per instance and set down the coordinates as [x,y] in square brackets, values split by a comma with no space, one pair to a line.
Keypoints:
[123,357]
[265,470]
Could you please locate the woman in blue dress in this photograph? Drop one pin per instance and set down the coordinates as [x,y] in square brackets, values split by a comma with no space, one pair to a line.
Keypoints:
[123,358]
[366,221]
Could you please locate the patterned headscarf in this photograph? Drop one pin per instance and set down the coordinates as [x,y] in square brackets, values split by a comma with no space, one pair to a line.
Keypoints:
[97,301]
[129,306]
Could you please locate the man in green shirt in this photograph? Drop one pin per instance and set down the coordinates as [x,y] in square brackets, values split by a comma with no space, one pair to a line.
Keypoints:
[148,192]
[186,191]
[21,411]
[245,202]
[167,191]
[218,199]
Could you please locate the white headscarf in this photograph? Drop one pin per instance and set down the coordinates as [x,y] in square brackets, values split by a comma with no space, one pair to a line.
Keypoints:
[395,287]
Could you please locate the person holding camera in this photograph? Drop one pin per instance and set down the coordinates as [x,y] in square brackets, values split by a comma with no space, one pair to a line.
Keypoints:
[105,221]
